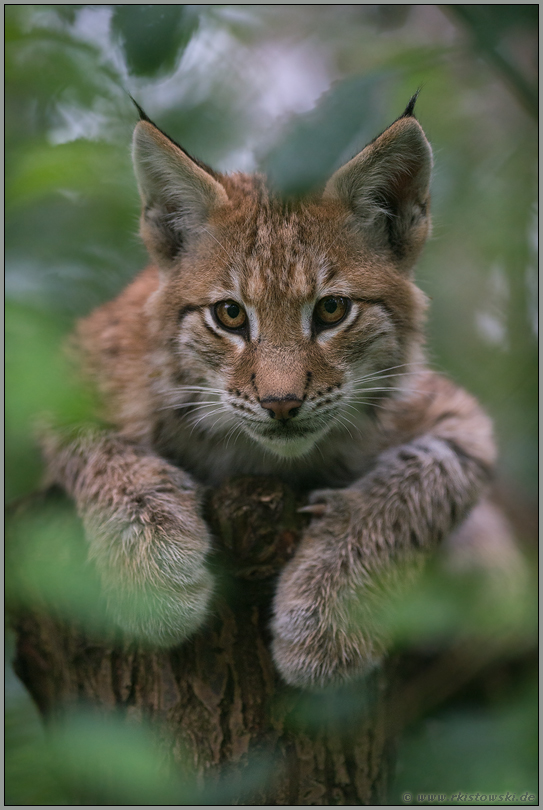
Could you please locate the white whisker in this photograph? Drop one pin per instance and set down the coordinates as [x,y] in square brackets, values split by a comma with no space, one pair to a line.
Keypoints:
[196,422]
[195,404]
[192,389]
[341,418]
[234,432]
[317,445]
[382,371]
[219,406]
[391,388]
[216,422]
[379,377]
[369,402]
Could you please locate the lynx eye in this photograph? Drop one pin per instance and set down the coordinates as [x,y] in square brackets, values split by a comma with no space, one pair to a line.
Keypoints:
[331,310]
[230,314]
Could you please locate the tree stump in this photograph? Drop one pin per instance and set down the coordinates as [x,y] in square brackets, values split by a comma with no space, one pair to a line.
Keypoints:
[216,700]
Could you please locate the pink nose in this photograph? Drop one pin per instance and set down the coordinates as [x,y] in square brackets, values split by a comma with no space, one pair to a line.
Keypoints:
[282,408]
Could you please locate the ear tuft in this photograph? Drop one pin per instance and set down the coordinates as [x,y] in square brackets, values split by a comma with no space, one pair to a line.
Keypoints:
[178,194]
[141,112]
[410,109]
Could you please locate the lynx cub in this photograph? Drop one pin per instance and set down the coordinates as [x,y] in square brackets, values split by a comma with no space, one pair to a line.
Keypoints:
[283,340]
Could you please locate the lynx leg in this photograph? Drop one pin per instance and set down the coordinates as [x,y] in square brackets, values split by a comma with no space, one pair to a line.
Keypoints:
[145,533]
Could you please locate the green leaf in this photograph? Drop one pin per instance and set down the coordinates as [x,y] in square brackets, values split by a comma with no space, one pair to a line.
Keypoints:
[153,37]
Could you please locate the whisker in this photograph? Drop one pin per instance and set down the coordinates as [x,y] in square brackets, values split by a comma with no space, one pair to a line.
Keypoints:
[234,432]
[216,422]
[369,402]
[377,377]
[390,368]
[191,389]
[195,405]
[398,365]
[341,418]
[188,387]
[202,407]
[409,364]
[392,388]
[230,432]
[205,416]
[210,413]
[317,445]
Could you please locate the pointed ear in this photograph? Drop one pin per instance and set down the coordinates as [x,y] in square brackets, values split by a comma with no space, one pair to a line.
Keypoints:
[178,194]
[386,189]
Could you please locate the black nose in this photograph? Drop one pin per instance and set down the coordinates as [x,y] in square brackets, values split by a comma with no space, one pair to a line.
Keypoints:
[282,409]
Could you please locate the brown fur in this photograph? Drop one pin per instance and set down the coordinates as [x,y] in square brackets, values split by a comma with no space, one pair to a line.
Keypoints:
[402,453]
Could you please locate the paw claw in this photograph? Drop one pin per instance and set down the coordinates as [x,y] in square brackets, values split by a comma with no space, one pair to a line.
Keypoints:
[316,509]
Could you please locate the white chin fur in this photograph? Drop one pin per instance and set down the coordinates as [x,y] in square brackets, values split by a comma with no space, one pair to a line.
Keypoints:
[287,447]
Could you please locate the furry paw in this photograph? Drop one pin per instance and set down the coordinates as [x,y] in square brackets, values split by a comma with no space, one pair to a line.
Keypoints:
[145,533]
[324,630]
[314,658]
[152,566]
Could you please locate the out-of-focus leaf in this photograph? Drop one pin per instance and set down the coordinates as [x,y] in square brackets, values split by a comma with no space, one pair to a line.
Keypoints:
[67,167]
[39,383]
[91,759]
[111,762]
[469,751]
[87,758]
[320,141]
[46,559]
[488,24]
[29,765]
[153,36]
[497,20]
[441,608]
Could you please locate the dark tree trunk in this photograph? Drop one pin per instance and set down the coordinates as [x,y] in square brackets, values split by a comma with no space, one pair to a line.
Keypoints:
[216,698]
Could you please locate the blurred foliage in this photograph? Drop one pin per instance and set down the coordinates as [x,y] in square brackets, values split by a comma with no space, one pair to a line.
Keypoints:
[294,91]
[89,758]
[470,749]
[46,561]
[153,37]
[494,35]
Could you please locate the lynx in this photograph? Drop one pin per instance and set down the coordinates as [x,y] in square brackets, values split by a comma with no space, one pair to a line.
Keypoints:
[279,339]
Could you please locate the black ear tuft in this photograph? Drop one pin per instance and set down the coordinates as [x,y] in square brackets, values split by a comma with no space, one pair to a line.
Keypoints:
[409,110]
[143,115]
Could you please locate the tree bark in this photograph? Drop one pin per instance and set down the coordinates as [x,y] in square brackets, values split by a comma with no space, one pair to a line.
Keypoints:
[215,700]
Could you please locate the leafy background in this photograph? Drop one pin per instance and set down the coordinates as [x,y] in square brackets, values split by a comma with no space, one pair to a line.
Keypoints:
[293,91]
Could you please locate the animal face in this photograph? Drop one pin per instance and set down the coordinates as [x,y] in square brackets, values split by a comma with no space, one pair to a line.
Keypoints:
[284,322]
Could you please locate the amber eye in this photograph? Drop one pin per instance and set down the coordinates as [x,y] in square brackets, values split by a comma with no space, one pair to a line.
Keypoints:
[331,310]
[230,314]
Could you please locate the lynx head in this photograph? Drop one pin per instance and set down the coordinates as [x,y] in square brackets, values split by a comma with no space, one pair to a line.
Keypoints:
[285,322]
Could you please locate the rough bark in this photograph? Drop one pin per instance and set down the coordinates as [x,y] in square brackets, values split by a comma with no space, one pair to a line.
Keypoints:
[216,699]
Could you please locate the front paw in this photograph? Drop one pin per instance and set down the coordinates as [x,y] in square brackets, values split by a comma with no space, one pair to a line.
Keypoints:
[151,557]
[325,631]
[312,654]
